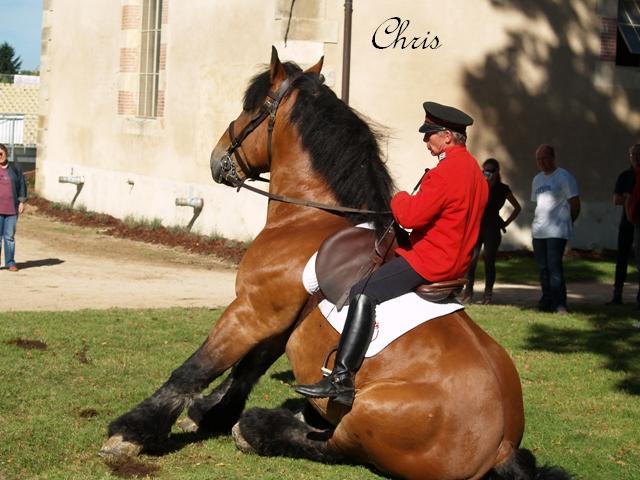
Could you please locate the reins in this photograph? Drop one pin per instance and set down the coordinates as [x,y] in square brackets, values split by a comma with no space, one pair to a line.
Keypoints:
[311,203]
[307,203]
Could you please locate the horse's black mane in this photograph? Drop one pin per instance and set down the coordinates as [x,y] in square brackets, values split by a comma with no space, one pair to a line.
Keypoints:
[344,149]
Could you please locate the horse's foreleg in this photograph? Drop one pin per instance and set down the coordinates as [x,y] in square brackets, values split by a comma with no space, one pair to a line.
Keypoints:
[149,423]
[220,410]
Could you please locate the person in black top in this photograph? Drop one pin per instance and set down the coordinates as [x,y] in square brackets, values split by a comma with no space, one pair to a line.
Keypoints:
[490,230]
[622,190]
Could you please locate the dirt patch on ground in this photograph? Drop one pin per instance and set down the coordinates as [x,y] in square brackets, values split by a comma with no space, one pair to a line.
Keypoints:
[27,344]
[128,467]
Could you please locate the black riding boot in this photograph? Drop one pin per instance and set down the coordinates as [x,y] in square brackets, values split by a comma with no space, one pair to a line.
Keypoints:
[357,333]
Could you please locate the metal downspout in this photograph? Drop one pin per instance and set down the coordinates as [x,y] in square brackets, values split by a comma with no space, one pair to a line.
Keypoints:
[346,50]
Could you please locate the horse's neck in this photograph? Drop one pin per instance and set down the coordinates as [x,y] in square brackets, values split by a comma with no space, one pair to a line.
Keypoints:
[292,175]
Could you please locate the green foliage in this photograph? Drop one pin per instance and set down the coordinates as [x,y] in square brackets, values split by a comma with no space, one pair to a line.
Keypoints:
[580,376]
[9,63]
[155,223]
[141,222]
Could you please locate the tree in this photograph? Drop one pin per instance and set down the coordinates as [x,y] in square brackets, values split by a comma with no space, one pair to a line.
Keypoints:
[8,64]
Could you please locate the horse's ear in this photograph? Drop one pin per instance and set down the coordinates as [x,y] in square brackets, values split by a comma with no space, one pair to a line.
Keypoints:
[277,70]
[317,68]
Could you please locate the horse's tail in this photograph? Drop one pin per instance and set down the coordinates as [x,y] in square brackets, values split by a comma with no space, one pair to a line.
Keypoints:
[521,465]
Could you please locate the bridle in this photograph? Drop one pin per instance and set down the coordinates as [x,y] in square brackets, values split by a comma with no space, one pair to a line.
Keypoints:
[235,170]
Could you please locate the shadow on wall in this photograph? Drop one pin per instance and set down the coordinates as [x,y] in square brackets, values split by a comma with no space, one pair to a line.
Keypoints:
[542,90]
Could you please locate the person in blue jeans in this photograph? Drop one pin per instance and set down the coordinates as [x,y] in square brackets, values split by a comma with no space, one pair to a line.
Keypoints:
[555,193]
[13,195]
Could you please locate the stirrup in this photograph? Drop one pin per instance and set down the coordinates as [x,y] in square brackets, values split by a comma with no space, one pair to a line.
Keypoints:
[344,397]
[326,371]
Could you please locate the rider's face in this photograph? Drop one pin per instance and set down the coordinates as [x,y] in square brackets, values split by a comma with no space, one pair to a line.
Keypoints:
[436,142]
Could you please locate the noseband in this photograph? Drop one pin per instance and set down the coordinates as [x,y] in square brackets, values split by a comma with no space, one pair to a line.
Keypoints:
[229,167]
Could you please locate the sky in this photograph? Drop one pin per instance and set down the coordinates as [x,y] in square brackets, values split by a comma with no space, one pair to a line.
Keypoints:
[20,25]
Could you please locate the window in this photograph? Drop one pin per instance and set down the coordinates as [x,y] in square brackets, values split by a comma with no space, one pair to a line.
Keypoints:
[150,58]
[628,39]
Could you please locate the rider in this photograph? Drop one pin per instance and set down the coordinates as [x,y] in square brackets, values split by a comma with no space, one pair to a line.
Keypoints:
[444,216]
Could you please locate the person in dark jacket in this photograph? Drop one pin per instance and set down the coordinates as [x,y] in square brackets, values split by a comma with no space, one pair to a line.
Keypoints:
[622,191]
[444,216]
[490,230]
[632,208]
[13,195]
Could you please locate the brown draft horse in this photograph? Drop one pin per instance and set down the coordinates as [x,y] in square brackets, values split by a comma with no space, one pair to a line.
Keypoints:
[442,402]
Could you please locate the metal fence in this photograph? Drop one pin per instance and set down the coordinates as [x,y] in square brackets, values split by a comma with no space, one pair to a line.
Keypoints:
[12,128]
[18,133]
[19,116]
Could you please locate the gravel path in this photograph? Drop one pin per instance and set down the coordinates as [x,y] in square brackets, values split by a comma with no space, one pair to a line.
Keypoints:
[64,267]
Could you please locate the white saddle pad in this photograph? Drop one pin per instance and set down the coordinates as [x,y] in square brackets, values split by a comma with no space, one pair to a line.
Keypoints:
[393,318]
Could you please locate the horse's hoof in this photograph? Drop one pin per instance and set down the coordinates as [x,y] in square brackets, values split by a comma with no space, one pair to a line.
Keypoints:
[299,415]
[241,443]
[187,425]
[116,446]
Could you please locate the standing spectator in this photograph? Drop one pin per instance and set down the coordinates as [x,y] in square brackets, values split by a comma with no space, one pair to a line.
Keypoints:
[13,194]
[622,191]
[632,208]
[555,192]
[490,230]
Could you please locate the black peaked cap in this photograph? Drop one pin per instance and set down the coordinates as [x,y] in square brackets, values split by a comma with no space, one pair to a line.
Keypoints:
[442,117]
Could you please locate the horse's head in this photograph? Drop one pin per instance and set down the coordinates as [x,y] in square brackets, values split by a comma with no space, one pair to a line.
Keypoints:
[245,148]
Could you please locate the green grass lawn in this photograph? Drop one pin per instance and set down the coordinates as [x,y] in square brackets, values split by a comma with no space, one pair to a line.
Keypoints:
[580,373]
[522,269]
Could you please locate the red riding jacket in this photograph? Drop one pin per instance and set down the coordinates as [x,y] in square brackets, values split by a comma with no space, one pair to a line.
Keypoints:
[445,216]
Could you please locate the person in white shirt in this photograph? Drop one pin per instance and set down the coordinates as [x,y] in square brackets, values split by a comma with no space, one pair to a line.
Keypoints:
[555,193]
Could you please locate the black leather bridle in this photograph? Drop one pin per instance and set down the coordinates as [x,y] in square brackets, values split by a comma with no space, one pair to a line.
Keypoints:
[236,170]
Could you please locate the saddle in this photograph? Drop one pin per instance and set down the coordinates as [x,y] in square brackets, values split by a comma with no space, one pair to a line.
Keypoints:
[354,252]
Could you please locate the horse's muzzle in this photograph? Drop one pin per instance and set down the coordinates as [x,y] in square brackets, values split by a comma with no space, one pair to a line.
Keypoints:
[216,167]
[222,167]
